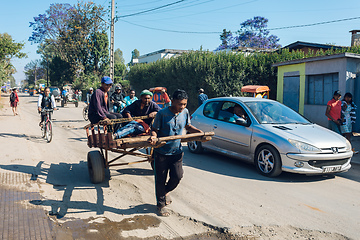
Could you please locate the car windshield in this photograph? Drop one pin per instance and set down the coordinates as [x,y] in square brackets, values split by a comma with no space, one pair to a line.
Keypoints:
[275,113]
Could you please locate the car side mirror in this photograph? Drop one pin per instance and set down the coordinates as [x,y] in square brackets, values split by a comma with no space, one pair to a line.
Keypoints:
[241,121]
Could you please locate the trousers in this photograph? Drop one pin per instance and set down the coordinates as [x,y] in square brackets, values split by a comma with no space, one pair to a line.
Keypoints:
[164,165]
[132,127]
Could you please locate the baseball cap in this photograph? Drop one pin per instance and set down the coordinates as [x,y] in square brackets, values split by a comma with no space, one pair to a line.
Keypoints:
[146,92]
[106,80]
[91,89]
[337,92]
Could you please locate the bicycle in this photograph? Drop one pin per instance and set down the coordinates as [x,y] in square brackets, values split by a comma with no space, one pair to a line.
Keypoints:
[86,113]
[46,127]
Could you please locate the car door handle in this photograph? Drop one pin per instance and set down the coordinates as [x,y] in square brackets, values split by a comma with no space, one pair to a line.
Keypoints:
[215,125]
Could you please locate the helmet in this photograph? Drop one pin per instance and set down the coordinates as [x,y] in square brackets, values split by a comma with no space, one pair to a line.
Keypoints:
[118,88]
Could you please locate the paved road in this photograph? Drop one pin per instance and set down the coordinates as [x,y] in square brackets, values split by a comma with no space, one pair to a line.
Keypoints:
[216,194]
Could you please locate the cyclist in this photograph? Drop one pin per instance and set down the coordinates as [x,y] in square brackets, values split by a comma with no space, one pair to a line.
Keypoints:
[88,96]
[46,101]
[117,99]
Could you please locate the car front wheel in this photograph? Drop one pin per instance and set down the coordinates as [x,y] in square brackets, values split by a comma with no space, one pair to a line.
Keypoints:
[268,161]
[195,147]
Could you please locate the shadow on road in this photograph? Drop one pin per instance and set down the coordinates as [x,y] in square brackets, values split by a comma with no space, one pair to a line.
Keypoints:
[32,138]
[68,178]
[216,163]
[134,171]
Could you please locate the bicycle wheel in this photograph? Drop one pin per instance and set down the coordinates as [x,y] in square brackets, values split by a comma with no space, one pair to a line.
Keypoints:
[48,131]
[85,113]
[43,130]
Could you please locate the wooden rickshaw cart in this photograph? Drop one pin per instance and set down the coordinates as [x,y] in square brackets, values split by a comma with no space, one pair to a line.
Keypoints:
[257,90]
[100,136]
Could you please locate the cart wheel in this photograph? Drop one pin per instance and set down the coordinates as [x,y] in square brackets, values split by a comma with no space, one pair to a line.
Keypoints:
[76,104]
[96,167]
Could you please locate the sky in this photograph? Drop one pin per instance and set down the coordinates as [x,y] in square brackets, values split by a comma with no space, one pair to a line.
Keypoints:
[199,21]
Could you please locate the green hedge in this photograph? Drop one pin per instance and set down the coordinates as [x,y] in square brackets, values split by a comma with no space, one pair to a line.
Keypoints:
[219,74]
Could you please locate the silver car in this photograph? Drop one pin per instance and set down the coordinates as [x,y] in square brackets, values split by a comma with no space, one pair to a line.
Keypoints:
[272,136]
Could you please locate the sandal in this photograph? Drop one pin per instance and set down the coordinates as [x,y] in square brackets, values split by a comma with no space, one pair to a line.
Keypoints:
[168,200]
[163,212]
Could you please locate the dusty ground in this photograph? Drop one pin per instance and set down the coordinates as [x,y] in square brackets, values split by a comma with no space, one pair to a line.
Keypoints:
[217,199]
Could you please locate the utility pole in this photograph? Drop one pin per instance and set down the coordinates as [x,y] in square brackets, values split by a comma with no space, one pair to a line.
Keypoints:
[112,39]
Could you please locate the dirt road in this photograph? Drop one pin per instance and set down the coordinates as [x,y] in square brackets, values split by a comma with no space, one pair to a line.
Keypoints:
[218,197]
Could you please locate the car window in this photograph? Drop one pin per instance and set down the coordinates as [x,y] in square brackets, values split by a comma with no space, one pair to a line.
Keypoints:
[210,109]
[232,112]
[275,113]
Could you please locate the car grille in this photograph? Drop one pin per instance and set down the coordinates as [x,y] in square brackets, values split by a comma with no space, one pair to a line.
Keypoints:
[324,163]
[329,150]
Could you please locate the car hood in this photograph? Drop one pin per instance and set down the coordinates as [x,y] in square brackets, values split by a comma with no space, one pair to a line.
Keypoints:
[313,134]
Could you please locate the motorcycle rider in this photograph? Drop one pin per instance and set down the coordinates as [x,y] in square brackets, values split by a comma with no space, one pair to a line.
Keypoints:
[117,99]
[45,101]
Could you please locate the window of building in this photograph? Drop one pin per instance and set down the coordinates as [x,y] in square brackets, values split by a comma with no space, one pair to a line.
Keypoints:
[320,88]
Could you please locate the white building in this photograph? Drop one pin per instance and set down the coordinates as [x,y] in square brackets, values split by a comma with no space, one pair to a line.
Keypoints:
[161,54]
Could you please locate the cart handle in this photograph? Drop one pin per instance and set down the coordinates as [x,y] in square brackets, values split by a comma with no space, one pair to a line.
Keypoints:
[114,121]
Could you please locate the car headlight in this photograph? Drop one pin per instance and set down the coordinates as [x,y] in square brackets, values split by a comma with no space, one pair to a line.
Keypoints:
[348,145]
[304,147]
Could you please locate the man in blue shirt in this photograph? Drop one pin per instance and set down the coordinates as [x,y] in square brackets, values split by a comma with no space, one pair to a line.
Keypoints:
[202,97]
[170,121]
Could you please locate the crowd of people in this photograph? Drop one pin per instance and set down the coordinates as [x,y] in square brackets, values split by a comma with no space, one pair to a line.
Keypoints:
[341,114]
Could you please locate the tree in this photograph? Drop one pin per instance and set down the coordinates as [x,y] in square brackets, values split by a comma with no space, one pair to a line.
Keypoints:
[9,49]
[35,70]
[76,35]
[252,33]
[60,72]
[118,56]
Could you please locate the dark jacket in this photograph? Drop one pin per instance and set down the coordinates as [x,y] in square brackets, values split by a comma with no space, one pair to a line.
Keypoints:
[117,98]
[98,107]
[135,110]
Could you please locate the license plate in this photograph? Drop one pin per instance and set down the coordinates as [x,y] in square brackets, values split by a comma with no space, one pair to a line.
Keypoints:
[331,169]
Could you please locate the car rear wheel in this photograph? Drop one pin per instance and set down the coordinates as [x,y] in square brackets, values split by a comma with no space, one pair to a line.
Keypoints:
[268,161]
[195,147]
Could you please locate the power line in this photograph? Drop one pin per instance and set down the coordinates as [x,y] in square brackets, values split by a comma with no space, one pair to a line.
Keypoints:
[167,30]
[314,24]
[278,28]
[150,10]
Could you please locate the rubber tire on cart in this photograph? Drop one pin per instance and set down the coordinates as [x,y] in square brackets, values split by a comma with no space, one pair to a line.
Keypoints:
[195,147]
[76,104]
[267,161]
[96,166]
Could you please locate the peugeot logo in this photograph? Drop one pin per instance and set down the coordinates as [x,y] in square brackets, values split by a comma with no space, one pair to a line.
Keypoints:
[335,150]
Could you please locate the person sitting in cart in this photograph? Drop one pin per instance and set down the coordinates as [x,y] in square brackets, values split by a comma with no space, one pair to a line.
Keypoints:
[45,101]
[131,98]
[100,102]
[170,121]
[143,107]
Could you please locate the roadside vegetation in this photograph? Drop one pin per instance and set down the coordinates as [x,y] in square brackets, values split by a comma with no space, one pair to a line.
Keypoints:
[219,74]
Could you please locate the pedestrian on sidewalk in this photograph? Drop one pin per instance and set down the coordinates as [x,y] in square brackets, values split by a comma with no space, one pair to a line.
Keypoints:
[14,100]
[348,116]
[170,121]
[333,112]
